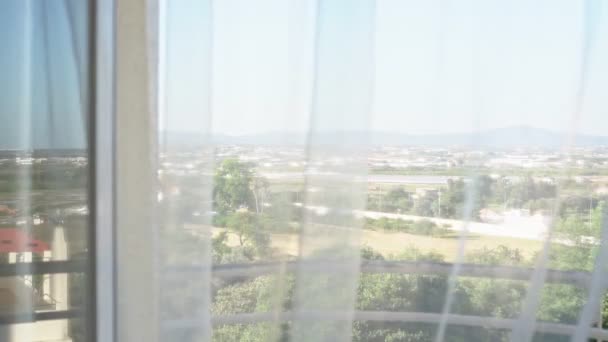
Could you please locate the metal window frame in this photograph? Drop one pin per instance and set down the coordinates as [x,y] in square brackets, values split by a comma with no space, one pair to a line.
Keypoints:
[134,137]
[120,131]
[122,147]
[118,45]
[102,288]
[99,310]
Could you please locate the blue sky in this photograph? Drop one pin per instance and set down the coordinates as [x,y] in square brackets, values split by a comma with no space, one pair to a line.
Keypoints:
[440,66]
[41,110]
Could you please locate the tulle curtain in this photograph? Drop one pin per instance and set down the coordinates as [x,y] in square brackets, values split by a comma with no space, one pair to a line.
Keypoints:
[289,98]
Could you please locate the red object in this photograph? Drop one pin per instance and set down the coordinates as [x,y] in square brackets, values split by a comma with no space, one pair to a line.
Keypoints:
[17,241]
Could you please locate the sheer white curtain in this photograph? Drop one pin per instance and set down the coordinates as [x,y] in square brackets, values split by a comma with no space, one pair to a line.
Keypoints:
[284,130]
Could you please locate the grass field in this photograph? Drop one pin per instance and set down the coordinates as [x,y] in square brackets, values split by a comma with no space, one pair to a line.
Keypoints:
[388,243]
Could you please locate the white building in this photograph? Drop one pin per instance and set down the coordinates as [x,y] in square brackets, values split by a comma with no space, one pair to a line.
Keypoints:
[19,294]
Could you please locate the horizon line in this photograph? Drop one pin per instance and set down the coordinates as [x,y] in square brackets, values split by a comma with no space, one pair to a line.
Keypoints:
[376,131]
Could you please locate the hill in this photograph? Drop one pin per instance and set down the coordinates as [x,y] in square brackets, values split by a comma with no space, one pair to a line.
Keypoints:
[509,137]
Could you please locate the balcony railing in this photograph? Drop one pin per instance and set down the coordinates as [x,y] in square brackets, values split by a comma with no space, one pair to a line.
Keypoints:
[576,278]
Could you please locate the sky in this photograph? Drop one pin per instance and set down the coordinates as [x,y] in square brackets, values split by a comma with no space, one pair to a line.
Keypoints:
[39,77]
[412,66]
[440,66]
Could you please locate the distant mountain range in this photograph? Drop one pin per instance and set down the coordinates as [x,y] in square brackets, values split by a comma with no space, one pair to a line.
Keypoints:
[516,136]
[509,137]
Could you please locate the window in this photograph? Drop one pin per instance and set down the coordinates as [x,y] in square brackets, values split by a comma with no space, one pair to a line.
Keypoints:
[44,171]
[332,170]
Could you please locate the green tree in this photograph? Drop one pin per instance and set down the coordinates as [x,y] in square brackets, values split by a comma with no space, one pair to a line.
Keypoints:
[453,199]
[527,193]
[562,303]
[582,235]
[397,200]
[501,255]
[220,247]
[248,228]
[424,206]
[232,187]
[410,293]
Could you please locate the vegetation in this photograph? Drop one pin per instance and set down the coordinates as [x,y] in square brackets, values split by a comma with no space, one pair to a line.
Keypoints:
[425,293]
[445,202]
[248,210]
[232,187]
[396,200]
[57,175]
[410,293]
[402,292]
[251,235]
[527,192]
[466,171]
[422,227]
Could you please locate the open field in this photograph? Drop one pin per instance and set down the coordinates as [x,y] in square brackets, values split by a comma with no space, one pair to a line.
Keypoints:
[388,243]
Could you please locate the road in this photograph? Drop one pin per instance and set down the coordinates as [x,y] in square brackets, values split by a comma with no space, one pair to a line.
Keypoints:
[372,178]
[531,227]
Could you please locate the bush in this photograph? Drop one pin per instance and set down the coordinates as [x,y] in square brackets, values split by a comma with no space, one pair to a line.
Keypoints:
[422,227]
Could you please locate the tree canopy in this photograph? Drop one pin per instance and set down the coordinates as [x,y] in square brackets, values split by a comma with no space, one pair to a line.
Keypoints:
[232,186]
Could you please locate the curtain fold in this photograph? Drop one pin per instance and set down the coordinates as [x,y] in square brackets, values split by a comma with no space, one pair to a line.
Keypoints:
[335,174]
[524,329]
[185,297]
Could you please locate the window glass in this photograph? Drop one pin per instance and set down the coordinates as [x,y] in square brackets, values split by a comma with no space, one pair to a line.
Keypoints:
[383,170]
[43,170]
